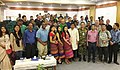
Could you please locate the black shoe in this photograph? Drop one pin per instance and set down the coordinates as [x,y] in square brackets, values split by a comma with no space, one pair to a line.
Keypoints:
[105,61]
[117,63]
[109,62]
[84,59]
[79,59]
[93,61]
[73,59]
[101,60]
[88,60]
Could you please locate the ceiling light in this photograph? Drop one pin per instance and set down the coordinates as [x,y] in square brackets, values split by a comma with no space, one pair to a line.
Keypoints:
[41,4]
[50,7]
[17,3]
[20,3]
[69,8]
[60,4]
[28,6]
[28,3]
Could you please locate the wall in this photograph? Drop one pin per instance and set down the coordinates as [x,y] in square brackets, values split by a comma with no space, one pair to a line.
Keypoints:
[83,13]
[28,13]
[108,13]
[1,13]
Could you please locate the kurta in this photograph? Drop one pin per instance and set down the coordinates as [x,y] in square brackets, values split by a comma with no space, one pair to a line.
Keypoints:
[13,43]
[74,38]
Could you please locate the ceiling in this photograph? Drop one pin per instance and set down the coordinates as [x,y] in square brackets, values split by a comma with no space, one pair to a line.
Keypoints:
[51,3]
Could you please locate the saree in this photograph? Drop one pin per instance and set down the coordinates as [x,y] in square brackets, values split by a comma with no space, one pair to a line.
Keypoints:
[4,60]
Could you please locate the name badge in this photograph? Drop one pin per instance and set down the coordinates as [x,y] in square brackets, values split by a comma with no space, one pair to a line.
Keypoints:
[83,33]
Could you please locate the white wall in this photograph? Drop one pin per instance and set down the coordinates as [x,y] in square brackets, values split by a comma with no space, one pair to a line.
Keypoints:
[1,13]
[108,13]
[28,13]
[83,13]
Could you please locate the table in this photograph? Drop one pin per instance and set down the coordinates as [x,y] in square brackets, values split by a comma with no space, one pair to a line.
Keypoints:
[28,64]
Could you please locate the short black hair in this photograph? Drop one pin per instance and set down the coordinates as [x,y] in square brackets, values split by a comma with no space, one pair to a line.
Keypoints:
[82,22]
[20,20]
[23,16]
[72,24]
[103,24]
[30,23]
[81,16]
[93,25]
[117,24]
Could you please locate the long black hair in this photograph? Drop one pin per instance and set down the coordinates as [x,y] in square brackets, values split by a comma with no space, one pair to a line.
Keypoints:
[1,31]
[50,31]
[16,37]
[59,32]
[67,31]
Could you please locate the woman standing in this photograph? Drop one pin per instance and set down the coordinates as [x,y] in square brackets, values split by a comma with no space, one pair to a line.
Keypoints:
[4,45]
[53,42]
[60,44]
[67,45]
[16,42]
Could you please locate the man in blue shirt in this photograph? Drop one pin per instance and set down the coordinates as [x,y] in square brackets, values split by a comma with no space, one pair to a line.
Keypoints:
[29,41]
[113,49]
[69,22]
[42,38]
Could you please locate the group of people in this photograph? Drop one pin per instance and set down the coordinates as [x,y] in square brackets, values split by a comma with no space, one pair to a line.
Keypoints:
[65,39]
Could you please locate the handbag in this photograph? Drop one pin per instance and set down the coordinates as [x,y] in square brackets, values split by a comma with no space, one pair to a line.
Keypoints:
[9,51]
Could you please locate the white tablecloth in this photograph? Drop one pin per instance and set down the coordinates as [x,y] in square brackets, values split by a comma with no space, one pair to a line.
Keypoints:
[28,64]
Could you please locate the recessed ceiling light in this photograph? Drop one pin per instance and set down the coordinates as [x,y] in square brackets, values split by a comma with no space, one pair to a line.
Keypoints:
[60,4]
[20,3]
[17,3]
[41,4]
[28,3]
[29,7]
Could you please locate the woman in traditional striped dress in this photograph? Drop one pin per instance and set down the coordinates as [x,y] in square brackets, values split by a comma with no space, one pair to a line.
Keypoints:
[60,45]
[53,42]
[67,45]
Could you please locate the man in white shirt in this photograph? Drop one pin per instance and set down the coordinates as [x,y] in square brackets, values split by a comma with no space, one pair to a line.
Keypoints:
[74,35]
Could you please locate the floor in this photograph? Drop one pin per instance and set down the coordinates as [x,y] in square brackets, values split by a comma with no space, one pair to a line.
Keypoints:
[89,66]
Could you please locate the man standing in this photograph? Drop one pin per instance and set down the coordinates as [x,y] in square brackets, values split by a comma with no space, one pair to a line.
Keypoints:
[74,35]
[22,27]
[62,24]
[104,37]
[24,18]
[115,40]
[39,20]
[92,38]
[108,26]
[82,42]
[69,22]
[29,41]
[42,39]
